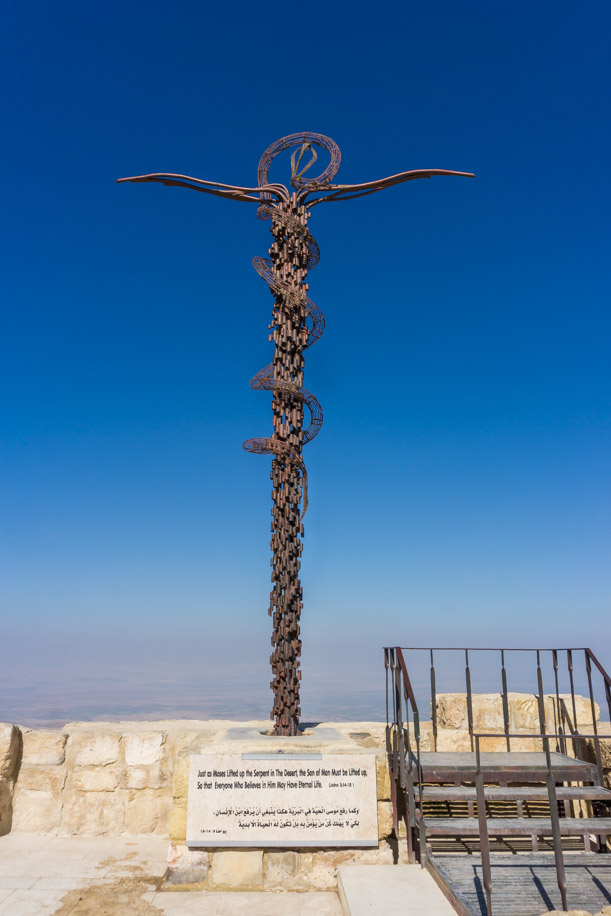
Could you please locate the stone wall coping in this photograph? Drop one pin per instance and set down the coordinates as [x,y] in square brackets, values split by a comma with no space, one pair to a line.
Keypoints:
[180,725]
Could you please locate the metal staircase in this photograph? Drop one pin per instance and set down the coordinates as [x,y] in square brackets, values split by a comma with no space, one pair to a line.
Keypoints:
[490,798]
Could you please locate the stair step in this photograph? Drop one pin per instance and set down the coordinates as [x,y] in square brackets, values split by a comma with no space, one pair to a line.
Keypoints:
[514,766]
[515,793]
[517,826]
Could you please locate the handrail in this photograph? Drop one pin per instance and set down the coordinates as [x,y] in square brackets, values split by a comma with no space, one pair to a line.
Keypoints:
[406,678]
[401,757]
[566,724]
[606,677]
[491,649]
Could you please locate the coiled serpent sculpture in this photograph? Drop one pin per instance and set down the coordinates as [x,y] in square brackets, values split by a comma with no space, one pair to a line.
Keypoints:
[293,254]
[296,324]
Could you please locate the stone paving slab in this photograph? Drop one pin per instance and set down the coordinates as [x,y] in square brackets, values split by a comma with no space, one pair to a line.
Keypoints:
[246,904]
[395,890]
[121,876]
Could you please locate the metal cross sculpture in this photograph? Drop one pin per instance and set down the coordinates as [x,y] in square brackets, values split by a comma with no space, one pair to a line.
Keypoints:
[296,324]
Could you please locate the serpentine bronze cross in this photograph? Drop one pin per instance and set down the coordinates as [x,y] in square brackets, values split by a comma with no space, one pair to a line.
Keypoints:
[296,324]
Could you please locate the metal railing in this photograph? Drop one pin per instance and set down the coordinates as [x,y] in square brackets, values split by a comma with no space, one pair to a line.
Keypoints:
[482,815]
[403,731]
[566,716]
[403,749]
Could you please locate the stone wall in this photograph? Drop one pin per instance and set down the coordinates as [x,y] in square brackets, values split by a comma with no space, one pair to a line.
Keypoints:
[108,779]
[112,778]
[10,753]
[91,779]
[453,726]
[94,779]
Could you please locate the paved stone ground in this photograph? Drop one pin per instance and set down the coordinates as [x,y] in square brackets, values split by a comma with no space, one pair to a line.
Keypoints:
[117,876]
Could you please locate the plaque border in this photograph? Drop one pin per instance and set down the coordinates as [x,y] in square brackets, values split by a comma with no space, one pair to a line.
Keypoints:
[198,843]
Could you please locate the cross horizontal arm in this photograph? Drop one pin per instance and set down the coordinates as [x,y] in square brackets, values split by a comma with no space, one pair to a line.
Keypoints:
[211,187]
[347,191]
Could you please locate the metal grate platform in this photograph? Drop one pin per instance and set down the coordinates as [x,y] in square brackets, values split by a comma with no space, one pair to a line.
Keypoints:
[523,885]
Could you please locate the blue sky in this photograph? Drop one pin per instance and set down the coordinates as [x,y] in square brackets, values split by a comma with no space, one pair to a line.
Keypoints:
[459,489]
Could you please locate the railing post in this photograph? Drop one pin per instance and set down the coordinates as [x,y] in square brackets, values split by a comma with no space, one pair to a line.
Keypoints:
[599,764]
[551,791]
[559,728]
[505,700]
[469,697]
[420,814]
[416,827]
[540,698]
[389,750]
[483,827]
[556,835]
[433,701]
[574,729]
[409,774]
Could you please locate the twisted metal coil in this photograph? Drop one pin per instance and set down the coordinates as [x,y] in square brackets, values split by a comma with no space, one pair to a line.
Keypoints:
[291,217]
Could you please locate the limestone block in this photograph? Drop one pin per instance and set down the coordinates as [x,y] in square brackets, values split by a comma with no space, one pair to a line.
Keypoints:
[584,710]
[36,811]
[93,749]
[565,715]
[42,778]
[93,814]
[451,710]
[148,812]
[499,745]
[10,740]
[144,749]
[366,739]
[527,744]
[178,823]
[319,869]
[459,740]
[45,746]
[281,869]
[237,868]
[449,739]
[152,777]
[524,712]
[488,712]
[426,736]
[180,784]
[6,806]
[382,778]
[96,779]
[385,825]
[568,912]
[186,866]
[587,749]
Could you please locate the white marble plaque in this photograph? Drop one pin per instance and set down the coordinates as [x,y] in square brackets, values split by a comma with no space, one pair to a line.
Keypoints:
[282,800]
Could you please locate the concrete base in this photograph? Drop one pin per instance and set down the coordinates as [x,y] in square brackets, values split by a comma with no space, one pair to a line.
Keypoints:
[248,733]
[395,890]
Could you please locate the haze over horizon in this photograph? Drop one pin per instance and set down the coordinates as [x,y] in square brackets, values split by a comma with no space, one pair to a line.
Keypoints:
[459,489]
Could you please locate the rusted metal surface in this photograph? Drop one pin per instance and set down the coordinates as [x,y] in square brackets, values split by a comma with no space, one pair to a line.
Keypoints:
[296,324]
